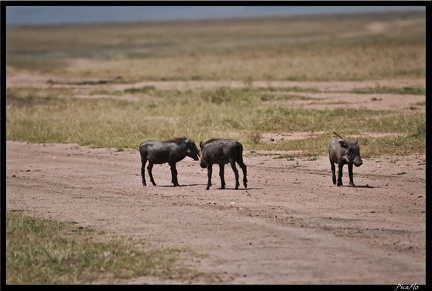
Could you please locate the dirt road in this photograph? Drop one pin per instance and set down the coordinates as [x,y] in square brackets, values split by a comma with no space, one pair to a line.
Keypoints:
[290,226]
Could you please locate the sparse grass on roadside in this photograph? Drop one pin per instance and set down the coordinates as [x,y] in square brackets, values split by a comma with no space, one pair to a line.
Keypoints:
[42,251]
[199,114]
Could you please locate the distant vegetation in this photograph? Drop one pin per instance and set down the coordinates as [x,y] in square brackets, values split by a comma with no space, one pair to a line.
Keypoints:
[321,48]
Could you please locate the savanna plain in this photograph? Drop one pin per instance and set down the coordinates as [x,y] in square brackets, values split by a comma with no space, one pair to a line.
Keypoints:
[80,99]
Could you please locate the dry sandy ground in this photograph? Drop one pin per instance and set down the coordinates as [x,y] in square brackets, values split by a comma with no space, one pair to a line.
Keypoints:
[290,226]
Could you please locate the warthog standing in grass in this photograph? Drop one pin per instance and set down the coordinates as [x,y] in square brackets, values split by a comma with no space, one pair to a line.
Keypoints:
[168,151]
[341,152]
[221,152]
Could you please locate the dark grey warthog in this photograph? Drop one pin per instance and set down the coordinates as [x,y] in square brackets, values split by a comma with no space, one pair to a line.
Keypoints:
[221,152]
[341,152]
[168,151]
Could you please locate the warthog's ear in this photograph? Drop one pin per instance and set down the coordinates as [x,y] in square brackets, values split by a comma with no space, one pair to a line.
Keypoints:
[187,141]
[343,144]
[356,142]
[201,145]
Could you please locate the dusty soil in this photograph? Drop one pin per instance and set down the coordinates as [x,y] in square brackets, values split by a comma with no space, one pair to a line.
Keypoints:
[291,225]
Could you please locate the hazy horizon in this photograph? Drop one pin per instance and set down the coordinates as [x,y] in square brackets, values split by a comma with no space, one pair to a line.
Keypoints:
[55,15]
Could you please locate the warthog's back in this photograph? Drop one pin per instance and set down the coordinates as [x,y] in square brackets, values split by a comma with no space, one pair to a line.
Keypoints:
[221,150]
[175,149]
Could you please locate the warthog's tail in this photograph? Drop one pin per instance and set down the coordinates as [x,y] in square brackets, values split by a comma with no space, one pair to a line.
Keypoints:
[337,135]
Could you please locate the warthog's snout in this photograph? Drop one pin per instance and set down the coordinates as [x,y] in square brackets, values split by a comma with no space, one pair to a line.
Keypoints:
[358,162]
[203,164]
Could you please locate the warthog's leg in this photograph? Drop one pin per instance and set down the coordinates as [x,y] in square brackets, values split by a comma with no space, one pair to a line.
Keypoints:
[143,162]
[350,174]
[174,174]
[149,168]
[209,174]
[234,168]
[339,180]
[243,167]
[333,169]
[222,175]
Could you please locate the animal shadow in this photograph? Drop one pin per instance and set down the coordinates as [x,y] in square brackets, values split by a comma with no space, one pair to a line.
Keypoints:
[180,186]
[367,186]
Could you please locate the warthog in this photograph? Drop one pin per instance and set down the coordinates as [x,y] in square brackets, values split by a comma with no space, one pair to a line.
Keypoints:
[221,152]
[341,152]
[168,151]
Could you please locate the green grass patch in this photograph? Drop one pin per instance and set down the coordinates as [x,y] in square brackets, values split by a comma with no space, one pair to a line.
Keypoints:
[394,146]
[413,124]
[286,97]
[34,96]
[288,89]
[386,90]
[288,157]
[141,90]
[106,92]
[42,251]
